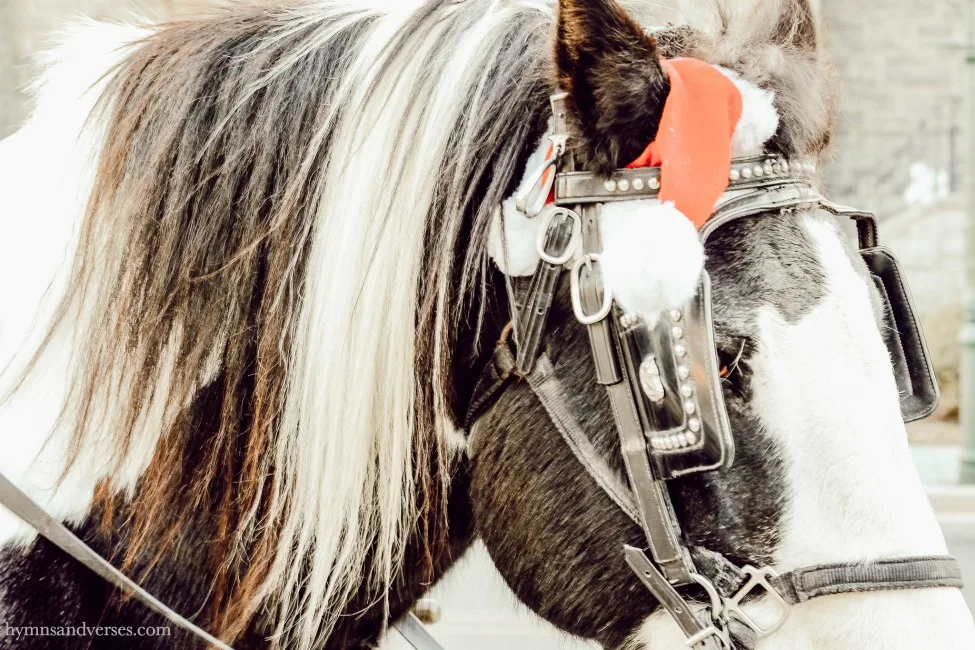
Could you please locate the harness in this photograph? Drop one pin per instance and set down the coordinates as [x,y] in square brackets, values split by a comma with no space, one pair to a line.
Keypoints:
[664,386]
[663,383]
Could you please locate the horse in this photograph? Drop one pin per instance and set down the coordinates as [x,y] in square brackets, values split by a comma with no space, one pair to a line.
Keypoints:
[248,297]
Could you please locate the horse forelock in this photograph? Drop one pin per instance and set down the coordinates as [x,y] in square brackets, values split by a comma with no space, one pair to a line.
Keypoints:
[290,210]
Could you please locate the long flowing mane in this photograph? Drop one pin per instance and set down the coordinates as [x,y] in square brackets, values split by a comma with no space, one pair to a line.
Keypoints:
[289,208]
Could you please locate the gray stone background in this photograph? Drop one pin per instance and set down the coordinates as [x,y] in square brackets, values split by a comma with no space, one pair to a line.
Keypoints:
[899,150]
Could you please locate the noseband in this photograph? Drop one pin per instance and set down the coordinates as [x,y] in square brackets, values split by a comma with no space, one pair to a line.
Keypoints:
[663,380]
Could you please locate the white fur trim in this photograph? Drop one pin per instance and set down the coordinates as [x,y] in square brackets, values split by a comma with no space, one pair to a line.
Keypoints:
[518,237]
[514,250]
[759,119]
[652,255]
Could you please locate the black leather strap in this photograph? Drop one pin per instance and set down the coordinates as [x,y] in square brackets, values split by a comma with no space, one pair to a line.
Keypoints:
[658,519]
[541,292]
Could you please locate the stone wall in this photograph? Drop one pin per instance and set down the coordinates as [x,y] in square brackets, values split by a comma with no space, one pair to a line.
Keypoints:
[902,75]
[25,27]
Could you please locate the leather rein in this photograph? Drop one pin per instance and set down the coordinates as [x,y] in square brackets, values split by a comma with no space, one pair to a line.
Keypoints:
[771,185]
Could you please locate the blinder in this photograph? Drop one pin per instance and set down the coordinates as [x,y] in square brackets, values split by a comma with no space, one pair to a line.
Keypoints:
[670,360]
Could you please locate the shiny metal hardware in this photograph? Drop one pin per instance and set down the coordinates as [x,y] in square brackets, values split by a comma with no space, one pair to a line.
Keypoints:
[534,192]
[722,636]
[650,380]
[570,249]
[756,578]
[576,292]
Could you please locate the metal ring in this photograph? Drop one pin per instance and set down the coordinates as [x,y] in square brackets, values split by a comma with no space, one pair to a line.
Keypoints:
[542,236]
[574,279]
[538,190]
[717,604]
[539,185]
[757,578]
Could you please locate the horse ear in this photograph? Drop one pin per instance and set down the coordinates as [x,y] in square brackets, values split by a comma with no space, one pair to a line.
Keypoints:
[612,72]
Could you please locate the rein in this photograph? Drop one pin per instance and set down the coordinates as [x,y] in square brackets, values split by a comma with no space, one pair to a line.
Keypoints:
[17,502]
[767,184]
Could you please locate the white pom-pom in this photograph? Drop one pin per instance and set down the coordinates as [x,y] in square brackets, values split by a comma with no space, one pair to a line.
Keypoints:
[652,256]
[759,119]
[514,250]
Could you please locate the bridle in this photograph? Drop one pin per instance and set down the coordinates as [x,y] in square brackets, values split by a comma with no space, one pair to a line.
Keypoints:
[663,383]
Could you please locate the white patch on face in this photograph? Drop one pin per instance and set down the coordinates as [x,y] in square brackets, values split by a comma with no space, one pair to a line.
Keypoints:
[825,390]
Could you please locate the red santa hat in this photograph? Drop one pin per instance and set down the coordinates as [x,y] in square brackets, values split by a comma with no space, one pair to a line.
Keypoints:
[652,255]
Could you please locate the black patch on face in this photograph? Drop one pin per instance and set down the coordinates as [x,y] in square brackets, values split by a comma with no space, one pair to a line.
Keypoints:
[616,85]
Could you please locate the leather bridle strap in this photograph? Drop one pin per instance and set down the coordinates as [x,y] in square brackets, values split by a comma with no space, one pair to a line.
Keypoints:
[657,516]
[16,501]
[801,585]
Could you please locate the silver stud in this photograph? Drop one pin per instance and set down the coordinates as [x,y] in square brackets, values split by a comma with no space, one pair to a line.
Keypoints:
[768,169]
[654,183]
[746,173]
[638,184]
[691,438]
[610,185]
[650,380]
[785,166]
[624,185]
[677,332]
[672,442]
[759,171]
[776,168]
[680,350]
[690,407]
[734,175]
[683,371]
[686,390]
[694,425]
[675,315]
[682,439]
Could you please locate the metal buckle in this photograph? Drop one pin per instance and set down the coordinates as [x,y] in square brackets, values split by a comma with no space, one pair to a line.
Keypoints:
[718,627]
[757,578]
[533,194]
[575,290]
[570,249]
